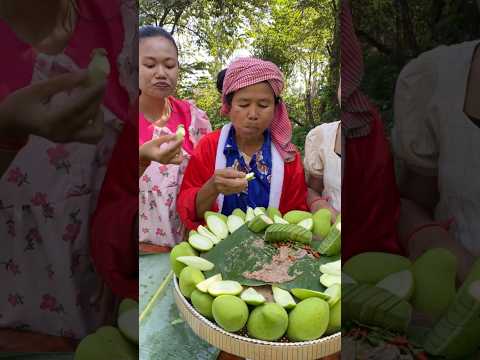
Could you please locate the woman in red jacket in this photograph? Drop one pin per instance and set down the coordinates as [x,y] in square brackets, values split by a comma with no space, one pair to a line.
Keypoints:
[256,140]
[370,197]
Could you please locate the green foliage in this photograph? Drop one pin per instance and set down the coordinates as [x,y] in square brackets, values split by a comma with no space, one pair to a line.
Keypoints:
[297,35]
[394,32]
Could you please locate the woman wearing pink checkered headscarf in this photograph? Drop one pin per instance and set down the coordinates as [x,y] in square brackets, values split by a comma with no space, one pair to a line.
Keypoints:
[256,140]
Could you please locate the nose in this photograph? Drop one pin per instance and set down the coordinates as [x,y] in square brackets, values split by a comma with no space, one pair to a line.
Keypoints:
[160,72]
[252,112]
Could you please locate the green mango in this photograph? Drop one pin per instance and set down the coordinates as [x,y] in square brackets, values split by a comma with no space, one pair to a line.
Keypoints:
[308,320]
[188,280]
[106,343]
[322,222]
[434,275]
[268,322]
[271,212]
[295,216]
[202,302]
[181,249]
[371,267]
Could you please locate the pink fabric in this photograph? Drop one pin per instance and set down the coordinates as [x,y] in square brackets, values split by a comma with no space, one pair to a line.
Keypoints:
[51,287]
[181,115]
[248,71]
[99,25]
[159,222]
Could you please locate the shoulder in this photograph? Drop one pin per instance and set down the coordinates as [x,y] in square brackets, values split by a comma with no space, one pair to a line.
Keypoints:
[296,164]
[320,131]
[208,141]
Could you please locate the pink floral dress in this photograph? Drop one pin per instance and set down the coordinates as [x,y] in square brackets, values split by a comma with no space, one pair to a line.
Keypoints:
[160,184]
[48,283]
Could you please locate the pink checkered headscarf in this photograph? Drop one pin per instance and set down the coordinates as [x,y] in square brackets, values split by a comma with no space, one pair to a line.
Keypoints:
[248,71]
[357,110]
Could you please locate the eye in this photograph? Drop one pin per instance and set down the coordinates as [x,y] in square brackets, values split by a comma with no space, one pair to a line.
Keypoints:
[149,66]
[263,106]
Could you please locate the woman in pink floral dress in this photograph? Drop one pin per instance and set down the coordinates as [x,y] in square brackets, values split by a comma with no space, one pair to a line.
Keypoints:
[161,114]
[54,154]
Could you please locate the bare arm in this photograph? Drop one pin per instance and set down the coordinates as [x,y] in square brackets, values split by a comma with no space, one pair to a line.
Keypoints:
[419,198]
[315,190]
[206,196]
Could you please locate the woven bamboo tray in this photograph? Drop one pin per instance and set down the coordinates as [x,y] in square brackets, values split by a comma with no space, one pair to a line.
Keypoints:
[252,348]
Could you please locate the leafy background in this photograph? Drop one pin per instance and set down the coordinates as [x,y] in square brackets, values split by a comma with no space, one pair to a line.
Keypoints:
[297,35]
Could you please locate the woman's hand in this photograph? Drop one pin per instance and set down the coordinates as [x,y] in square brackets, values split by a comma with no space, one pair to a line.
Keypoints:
[323,204]
[229,181]
[224,181]
[61,109]
[169,153]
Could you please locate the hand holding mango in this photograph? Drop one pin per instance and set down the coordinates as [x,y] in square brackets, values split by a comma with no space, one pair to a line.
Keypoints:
[229,181]
[99,67]
[165,149]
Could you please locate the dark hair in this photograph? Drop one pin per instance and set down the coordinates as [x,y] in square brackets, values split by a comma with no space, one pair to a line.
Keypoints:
[229,97]
[150,31]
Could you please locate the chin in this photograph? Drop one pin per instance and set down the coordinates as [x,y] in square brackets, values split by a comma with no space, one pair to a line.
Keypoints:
[159,94]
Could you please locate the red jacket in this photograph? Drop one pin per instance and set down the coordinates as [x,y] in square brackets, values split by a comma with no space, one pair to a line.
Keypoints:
[202,166]
[370,197]
[114,236]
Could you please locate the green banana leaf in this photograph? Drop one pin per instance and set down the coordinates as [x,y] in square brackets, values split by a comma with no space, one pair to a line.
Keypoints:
[245,251]
[163,334]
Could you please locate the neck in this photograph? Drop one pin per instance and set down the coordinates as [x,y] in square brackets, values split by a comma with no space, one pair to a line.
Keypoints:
[152,108]
[249,146]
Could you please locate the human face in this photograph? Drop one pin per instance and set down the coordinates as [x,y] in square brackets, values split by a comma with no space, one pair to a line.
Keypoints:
[158,71]
[252,111]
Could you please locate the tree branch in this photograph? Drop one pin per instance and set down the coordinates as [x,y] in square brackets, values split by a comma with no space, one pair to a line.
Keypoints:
[375,43]
[175,21]
[297,122]
[200,36]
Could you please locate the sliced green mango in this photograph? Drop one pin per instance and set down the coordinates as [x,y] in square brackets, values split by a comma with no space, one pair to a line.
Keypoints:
[202,230]
[283,298]
[196,262]
[328,280]
[203,286]
[218,226]
[225,287]
[252,297]
[303,294]
[234,222]
[199,242]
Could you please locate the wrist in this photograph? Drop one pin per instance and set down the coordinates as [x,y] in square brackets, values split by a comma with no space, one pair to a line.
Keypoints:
[433,228]
[316,200]
[210,188]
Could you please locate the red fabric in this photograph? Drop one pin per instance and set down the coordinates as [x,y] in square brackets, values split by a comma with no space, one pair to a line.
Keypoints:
[370,198]
[248,71]
[181,115]
[202,166]
[113,244]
